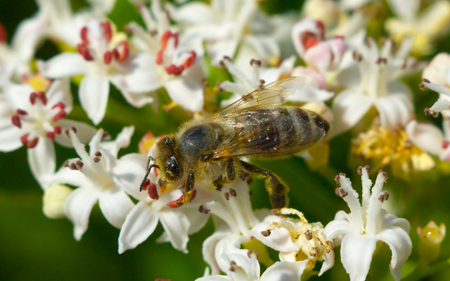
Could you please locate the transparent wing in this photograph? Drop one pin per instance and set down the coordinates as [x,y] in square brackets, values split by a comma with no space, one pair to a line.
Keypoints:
[271,94]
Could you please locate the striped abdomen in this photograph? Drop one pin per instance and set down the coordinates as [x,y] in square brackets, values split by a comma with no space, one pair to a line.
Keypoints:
[276,130]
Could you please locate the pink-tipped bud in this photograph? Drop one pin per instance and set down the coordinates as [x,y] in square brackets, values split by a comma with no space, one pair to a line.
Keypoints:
[83,35]
[107,30]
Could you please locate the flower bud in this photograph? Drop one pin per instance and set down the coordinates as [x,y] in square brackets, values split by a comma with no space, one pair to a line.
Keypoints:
[326,11]
[431,237]
[54,200]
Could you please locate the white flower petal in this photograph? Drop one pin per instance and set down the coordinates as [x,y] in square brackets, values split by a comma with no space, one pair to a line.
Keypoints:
[129,172]
[356,255]
[94,92]
[59,91]
[115,205]
[214,278]
[279,238]
[209,250]
[122,141]
[221,48]
[348,108]
[10,138]
[186,92]
[85,132]
[18,96]
[42,161]
[78,208]
[337,227]
[427,137]
[138,226]
[176,225]
[285,271]
[394,109]
[63,65]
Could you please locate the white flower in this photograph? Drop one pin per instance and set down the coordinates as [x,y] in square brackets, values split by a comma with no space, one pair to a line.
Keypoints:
[296,239]
[308,36]
[36,120]
[103,56]
[436,77]
[424,27]
[374,81]
[243,265]
[98,179]
[353,4]
[366,224]
[227,25]
[261,76]
[154,206]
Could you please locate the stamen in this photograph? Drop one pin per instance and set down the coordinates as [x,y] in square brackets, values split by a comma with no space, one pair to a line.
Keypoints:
[233,192]
[309,39]
[122,51]
[445,144]
[357,56]
[261,83]
[381,61]
[66,163]
[226,195]
[79,164]
[29,143]
[84,52]
[257,62]
[266,233]
[33,97]
[165,39]
[159,57]
[191,60]
[70,129]
[340,192]
[21,112]
[50,135]
[336,179]
[60,105]
[15,119]
[107,30]
[232,266]
[57,129]
[60,115]
[153,191]
[308,235]
[385,175]
[202,209]
[97,156]
[104,136]
[83,35]
[107,57]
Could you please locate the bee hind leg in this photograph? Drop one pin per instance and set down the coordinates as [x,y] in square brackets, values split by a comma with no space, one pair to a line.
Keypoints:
[230,175]
[277,189]
[188,193]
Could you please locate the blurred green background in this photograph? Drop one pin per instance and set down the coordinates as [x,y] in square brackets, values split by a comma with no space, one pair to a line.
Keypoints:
[35,247]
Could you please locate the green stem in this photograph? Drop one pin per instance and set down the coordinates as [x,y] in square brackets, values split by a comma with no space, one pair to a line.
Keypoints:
[423,270]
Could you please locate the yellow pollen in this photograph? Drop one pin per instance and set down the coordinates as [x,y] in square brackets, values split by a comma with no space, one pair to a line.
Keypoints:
[38,82]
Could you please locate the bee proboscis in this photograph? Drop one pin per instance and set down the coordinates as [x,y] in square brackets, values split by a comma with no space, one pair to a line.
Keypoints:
[257,125]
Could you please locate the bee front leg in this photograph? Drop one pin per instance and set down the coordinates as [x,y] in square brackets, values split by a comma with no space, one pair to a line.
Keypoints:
[230,177]
[188,193]
[277,189]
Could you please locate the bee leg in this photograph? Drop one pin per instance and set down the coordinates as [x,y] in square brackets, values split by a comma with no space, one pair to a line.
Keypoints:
[149,168]
[231,175]
[188,193]
[277,189]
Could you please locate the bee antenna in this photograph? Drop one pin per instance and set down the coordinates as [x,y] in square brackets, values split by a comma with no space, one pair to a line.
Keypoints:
[148,172]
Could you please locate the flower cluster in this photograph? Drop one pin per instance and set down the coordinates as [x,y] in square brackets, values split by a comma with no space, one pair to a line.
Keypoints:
[325,85]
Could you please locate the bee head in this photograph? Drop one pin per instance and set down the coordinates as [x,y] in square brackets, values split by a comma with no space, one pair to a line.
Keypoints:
[170,161]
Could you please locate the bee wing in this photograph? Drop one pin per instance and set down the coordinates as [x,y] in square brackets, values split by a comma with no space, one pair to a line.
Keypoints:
[271,94]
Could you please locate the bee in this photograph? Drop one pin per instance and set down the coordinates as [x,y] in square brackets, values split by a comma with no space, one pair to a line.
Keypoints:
[257,125]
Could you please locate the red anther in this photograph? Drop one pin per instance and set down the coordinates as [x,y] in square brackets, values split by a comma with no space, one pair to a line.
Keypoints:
[165,38]
[84,51]
[107,57]
[59,105]
[178,70]
[42,97]
[3,33]
[175,35]
[309,40]
[122,51]
[444,144]
[83,35]
[191,60]
[339,37]
[146,184]
[170,69]
[115,54]
[153,192]
[33,97]
[107,30]
[50,135]
[28,143]
[15,119]
[21,112]
[159,56]
[57,130]
[173,204]
[59,115]
[24,139]
[322,29]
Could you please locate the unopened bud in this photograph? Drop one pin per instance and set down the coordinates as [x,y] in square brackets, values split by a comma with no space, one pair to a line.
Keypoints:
[54,200]
[431,237]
